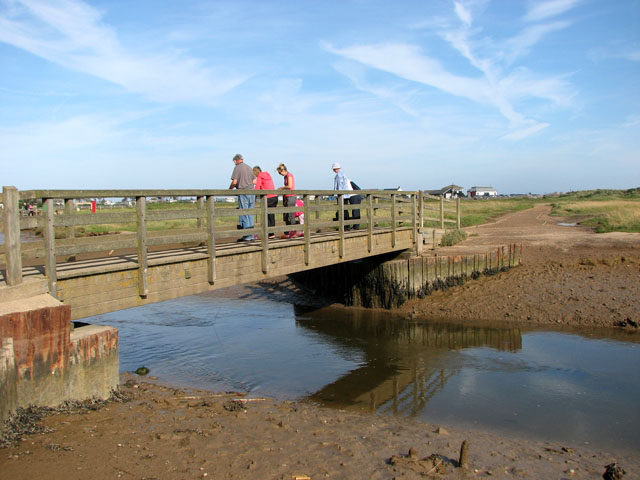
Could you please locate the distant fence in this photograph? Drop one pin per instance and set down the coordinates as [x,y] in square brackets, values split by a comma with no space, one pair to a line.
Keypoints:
[197,219]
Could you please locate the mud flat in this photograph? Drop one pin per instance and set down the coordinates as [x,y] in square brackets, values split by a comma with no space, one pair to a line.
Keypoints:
[569,276]
[163,432]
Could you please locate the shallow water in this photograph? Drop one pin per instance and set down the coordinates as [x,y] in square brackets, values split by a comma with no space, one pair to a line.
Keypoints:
[551,385]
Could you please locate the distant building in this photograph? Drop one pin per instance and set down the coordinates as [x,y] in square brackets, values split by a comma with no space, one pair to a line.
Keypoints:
[450,191]
[476,192]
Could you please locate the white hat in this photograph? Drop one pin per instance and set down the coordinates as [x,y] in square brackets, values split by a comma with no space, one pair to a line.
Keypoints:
[335,165]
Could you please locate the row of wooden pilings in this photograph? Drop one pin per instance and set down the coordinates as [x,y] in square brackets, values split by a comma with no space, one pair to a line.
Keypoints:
[390,283]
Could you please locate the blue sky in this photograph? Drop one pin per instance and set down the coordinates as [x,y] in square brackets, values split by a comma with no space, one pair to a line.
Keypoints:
[524,96]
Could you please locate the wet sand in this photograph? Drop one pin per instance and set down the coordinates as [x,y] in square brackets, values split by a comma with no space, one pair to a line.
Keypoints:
[569,276]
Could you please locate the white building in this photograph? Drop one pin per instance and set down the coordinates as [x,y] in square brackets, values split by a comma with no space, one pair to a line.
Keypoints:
[481,192]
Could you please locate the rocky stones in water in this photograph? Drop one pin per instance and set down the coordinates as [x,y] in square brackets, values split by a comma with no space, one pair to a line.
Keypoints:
[142,371]
[434,463]
[613,472]
[627,322]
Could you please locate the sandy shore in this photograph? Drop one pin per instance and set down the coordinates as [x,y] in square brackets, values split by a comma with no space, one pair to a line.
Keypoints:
[569,276]
[172,433]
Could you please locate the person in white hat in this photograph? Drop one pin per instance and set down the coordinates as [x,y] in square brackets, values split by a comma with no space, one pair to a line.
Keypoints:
[341,182]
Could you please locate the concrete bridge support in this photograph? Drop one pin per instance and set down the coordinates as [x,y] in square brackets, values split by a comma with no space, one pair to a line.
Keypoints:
[44,361]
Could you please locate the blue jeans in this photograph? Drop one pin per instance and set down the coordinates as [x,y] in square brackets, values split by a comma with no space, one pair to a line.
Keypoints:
[246,221]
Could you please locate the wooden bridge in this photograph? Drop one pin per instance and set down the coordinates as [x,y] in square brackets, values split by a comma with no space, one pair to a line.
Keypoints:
[149,249]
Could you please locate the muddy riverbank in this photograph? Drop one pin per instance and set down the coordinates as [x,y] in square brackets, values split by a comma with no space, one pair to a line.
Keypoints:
[569,276]
[168,433]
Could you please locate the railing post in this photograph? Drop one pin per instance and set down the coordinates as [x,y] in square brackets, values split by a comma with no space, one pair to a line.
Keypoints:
[265,233]
[458,212]
[50,246]
[393,220]
[370,223]
[442,212]
[341,224]
[317,200]
[211,239]
[141,230]
[375,211]
[69,230]
[421,209]
[200,206]
[306,229]
[414,217]
[11,201]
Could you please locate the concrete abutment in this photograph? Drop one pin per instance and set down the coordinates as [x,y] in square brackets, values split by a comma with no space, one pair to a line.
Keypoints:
[44,361]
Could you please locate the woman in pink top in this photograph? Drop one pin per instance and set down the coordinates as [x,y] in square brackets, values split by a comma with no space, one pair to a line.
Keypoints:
[264,181]
[288,200]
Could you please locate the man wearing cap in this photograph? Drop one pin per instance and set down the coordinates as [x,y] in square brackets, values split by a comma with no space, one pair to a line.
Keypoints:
[341,182]
[242,179]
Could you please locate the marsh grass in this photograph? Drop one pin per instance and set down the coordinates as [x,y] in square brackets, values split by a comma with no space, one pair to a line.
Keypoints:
[604,215]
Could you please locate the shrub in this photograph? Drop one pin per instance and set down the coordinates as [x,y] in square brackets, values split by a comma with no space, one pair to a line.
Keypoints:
[451,237]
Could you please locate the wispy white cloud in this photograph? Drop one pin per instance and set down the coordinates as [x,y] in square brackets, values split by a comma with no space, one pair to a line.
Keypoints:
[521,44]
[497,84]
[408,62]
[463,14]
[546,9]
[73,34]
[525,132]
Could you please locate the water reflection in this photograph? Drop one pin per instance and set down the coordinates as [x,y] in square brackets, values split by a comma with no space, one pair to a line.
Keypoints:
[404,361]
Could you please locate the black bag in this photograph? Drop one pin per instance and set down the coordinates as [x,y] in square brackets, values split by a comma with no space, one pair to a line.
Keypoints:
[354,185]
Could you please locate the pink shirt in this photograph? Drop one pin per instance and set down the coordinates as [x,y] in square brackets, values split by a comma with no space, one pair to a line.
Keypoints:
[265,182]
[290,181]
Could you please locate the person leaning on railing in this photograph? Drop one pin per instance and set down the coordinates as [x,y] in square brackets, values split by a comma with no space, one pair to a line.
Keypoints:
[264,181]
[242,179]
[341,182]
[288,200]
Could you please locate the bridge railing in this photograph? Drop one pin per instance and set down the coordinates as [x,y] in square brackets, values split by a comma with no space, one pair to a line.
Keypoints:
[68,229]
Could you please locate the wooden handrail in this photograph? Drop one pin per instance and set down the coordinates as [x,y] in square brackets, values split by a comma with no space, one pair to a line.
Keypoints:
[209,218]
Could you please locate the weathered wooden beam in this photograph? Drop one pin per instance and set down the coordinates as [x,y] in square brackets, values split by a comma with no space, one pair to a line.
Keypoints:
[394,221]
[370,213]
[341,225]
[414,214]
[50,246]
[201,211]
[264,215]
[141,231]
[70,231]
[11,215]
[306,230]
[211,240]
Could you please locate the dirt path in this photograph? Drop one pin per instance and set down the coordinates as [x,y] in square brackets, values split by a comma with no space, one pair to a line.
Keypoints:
[569,276]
